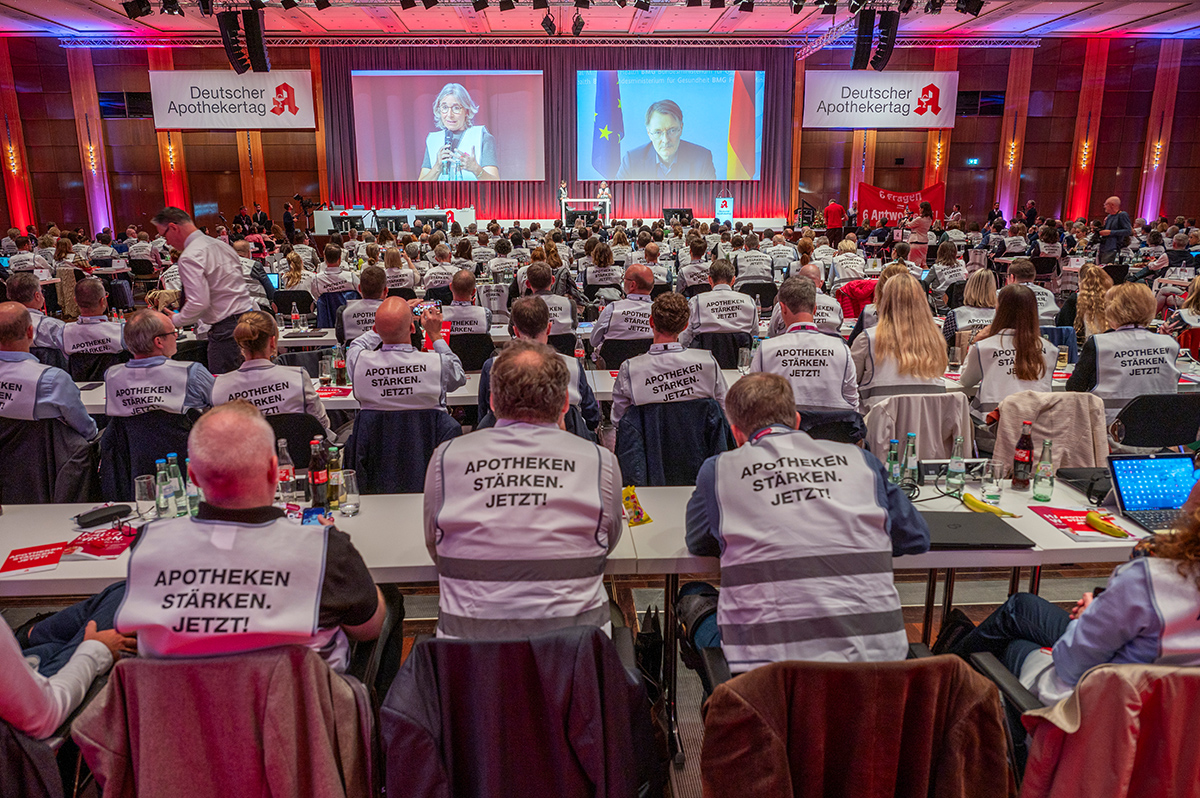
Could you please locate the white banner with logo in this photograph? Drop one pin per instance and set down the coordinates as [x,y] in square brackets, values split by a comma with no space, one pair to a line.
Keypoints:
[220,99]
[866,99]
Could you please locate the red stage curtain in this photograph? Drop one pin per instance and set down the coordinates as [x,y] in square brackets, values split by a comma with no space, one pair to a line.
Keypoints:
[767,197]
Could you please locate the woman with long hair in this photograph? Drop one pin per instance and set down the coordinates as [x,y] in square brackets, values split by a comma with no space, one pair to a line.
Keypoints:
[399,270]
[1149,613]
[272,388]
[462,256]
[904,352]
[948,269]
[1188,315]
[918,234]
[1090,301]
[1010,355]
[977,309]
[296,278]
[869,316]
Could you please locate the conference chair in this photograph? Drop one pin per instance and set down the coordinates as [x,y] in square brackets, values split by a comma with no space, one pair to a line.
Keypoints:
[724,346]
[1158,421]
[564,343]
[665,444]
[50,356]
[88,366]
[28,767]
[472,349]
[403,291]
[308,359]
[46,461]
[1128,714]
[592,289]
[936,418]
[391,449]
[954,294]
[143,271]
[131,444]
[275,722]
[1046,271]
[101,263]
[327,305]
[1117,271]
[551,686]
[696,290]
[1063,336]
[298,429]
[921,726]
[840,426]
[286,297]
[763,294]
[615,351]
[442,295]
[1073,420]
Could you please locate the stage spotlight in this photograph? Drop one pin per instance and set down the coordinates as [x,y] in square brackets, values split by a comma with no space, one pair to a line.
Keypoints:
[508,5]
[322,4]
[429,3]
[548,25]
[797,6]
[904,6]
[577,23]
[933,6]
[257,5]
[972,7]
[622,3]
[479,5]
[716,3]
[288,5]
[583,4]
[171,7]
[641,5]
[137,8]
[857,5]
[206,8]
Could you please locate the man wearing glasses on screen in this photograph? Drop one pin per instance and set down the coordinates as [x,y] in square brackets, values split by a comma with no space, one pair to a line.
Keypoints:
[667,156]
[458,149]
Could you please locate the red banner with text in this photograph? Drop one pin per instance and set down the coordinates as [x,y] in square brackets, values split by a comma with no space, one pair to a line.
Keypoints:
[875,203]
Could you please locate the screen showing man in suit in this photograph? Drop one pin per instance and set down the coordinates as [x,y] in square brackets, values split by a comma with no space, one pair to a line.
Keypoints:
[658,125]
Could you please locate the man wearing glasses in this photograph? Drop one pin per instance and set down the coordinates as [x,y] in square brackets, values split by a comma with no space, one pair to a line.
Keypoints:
[459,149]
[667,156]
[152,380]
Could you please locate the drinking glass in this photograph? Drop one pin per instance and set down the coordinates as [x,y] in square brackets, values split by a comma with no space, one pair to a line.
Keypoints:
[282,321]
[325,374]
[993,482]
[1063,356]
[348,498]
[145,496]
[743,365]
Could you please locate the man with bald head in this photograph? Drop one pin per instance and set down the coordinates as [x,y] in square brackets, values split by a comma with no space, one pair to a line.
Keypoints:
[520,517]
[310,585]
[627,319]
[152,380]
[26,288]
[1117,228]
[260,288]
[32,391]
[389,374]
[827,314]
[463,314]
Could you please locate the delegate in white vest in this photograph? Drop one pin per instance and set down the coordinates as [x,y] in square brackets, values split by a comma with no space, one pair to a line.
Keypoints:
[666,374]
[721,310]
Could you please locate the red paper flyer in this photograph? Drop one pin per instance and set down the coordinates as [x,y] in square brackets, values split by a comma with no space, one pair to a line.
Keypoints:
[1074,523]
[34,558]
[98,544]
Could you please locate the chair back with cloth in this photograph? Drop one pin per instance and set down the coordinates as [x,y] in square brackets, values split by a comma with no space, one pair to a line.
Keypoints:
[1063,336]
[696,290]
[473,349]
[271,722]
[919,727]
[1073,420]
[46,461]
[1190,340]
[327,305]
[575,722]
[51,356]
[391,449]
[1046,270]
[88,366]
[141,267]
[563,344]
[615,351]
[724,346]
[936,418]
[28,768]
[131,444]
[954,294]
[763,294]
[842,426]
[665,444]
[298,429]
[286,297]
[1159,421]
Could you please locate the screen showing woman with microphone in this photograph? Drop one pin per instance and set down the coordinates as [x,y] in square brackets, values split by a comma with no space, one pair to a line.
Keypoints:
[458,149]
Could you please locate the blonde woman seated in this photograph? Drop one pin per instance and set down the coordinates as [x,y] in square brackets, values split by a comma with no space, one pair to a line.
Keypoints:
[296,278]
[977,309]
[272,388]
[1009,356]
[904,353]
[847,264]
[1091,301]
[399,269]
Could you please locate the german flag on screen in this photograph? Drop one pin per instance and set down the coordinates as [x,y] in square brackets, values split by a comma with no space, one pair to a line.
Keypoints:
[741,128]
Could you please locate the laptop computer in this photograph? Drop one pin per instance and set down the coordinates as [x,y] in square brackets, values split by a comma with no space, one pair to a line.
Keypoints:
[951,530]
[1151,488]
[273,279]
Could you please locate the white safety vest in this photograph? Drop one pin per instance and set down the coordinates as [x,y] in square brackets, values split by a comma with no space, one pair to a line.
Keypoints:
[466,319]
[1015,244]
[948,274]
[502,572]
[140,250]
[398,377]
[25,261]
[661,274]
[203,588]
[849,266]
[501,268]
[439,276]
[754,266]
[574,369]
[1132,361]
[792,591]
[272,389]
[723,310]
[399,278]
[997,361]
[1049,250]
[334,281]
[44,328]
[695,273]
[673,374]
[494,297]
[482,254]
[358,317]
[869,316]
[18,388]
[828,314]
[604,275]
[817,366]
[886,380]
[129,391]
[88,337]
[1047,304]
[969,319]
[560,313]
[630,320]
[472,141]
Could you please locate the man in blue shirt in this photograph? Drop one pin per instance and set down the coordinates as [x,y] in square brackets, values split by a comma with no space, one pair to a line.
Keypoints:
[1117,228]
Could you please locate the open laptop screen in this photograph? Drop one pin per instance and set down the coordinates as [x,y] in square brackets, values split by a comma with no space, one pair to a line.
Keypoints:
[273,279]
[1153,482]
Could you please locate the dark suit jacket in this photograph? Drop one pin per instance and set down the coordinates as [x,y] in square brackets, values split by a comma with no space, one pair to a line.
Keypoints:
[261,218]
[692,162]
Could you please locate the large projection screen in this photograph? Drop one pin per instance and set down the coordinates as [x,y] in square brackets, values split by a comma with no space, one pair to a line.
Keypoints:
[718,138]
[448,126]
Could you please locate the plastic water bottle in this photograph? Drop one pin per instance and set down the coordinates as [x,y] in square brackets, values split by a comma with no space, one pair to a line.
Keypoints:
[176,477]
[193,491]
[956,474]
[1043,476]
[295,316]
[333,495]
[164,497]
[893,462]
[287,472]
[910,459]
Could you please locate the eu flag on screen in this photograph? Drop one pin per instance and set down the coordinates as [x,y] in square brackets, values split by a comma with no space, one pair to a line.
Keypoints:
[607,126]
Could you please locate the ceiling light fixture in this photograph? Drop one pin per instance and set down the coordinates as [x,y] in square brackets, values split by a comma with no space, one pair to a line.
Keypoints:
[508,5]
[171,8]
[429,3]
[972,7]
[548,25]
[257,5]
[137,8]
[641,5]
[322,4]
[577,23]
[479,5]
[288,5]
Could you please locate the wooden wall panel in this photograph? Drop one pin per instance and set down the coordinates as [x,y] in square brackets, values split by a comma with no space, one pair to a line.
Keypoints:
[1158,129]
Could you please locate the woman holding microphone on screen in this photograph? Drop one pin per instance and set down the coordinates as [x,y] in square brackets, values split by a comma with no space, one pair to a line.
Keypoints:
[458,150]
